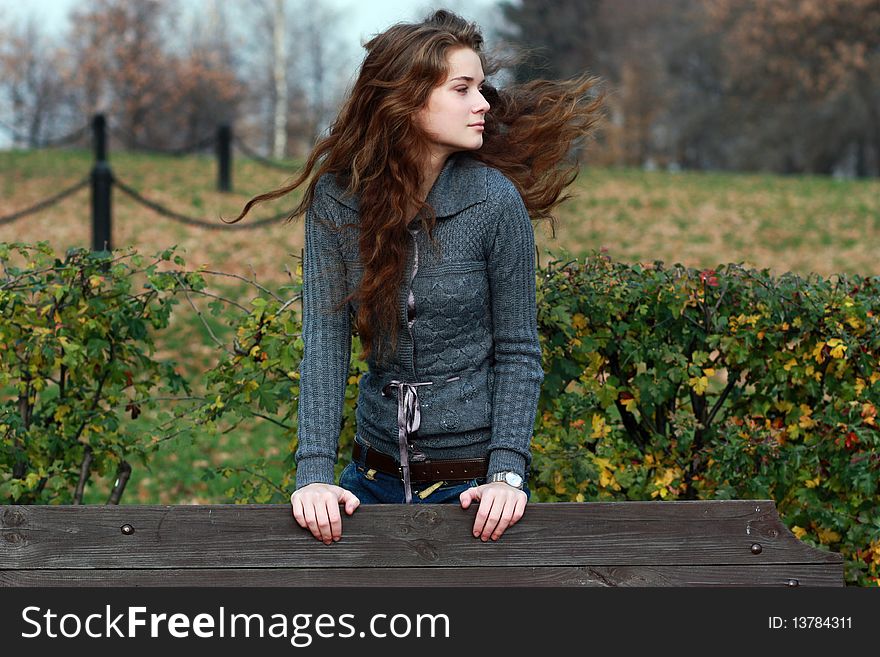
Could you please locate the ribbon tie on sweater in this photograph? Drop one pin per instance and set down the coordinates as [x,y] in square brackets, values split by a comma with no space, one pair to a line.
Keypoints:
[409,418]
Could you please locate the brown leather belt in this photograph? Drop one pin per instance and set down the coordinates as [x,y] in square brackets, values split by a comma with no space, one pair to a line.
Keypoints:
[437,470]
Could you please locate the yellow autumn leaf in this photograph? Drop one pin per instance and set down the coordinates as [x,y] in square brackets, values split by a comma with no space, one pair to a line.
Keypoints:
[709,371]
[784,405]
[805,421]
[800,532]
[812,483]
[600,429]
[61,411]
[787,367]
[855,322]
[817,352]
[699,384]
[607,480]
[666,478]
[838,349]
[579,321]
[827,536]
[869,414]
[558,483]
[662,482]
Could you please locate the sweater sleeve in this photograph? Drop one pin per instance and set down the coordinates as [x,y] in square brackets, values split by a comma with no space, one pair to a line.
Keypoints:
[517,366]
[326,338]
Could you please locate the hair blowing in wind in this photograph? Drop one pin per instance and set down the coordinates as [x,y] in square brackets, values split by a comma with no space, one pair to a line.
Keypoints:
[375,149]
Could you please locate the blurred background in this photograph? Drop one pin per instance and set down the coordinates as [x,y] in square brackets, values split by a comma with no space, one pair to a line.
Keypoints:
[734,130]
[788,86]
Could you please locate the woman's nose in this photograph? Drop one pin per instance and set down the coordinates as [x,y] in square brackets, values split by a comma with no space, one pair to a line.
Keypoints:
[482,106]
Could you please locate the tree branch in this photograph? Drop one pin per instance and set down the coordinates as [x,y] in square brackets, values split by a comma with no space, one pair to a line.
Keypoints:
[83,475]
[123,472]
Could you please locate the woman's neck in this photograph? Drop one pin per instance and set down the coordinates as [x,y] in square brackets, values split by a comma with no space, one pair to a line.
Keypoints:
[430,173]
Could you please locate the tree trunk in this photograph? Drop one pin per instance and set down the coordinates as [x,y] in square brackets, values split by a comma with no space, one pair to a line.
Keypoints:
[279,142]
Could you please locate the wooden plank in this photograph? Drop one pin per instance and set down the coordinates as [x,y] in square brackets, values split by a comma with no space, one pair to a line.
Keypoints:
[265,536]
[525,576]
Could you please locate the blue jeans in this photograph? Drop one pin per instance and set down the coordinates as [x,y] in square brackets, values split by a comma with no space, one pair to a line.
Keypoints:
[381,488]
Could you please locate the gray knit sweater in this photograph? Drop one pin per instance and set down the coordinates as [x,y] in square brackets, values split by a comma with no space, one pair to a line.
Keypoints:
[468,326]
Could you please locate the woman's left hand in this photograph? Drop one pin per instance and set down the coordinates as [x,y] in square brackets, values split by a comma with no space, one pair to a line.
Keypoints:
[501,506]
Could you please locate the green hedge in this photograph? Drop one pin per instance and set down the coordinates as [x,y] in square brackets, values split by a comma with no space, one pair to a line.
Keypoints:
[76,360]
[672,383]
[661,383]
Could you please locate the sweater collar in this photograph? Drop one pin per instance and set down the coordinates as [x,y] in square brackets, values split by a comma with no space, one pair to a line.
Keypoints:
[462,183]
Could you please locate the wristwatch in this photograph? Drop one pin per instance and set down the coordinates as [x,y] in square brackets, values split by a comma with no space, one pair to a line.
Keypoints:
[508,477]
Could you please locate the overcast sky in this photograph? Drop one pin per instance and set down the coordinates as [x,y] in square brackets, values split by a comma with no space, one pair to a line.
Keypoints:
[359,19]
[362,18]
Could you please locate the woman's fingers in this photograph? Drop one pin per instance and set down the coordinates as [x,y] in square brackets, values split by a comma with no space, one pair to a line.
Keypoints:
[298,511]
[316,508]
[494,510]
[350,501]
[500,507]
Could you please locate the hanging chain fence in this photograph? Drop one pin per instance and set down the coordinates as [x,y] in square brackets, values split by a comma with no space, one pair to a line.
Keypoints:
[194,147]
[45,203]
[250,153]
[192,221]
[55,142]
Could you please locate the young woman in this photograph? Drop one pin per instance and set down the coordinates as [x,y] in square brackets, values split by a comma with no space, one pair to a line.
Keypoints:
[418,224]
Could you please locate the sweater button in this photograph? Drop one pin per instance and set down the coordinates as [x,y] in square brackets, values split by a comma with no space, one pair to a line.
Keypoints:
[449,419]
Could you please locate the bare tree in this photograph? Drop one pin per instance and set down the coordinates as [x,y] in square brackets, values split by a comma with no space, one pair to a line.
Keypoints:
[319,64]
[30,84]
[279,42]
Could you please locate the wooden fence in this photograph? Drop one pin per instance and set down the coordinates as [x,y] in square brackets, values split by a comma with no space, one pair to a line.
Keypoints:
[712,543]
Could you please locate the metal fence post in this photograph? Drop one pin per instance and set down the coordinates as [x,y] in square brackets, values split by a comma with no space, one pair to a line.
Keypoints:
[102,187]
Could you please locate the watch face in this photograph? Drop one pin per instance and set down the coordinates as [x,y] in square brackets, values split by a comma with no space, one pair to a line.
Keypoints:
[513,479]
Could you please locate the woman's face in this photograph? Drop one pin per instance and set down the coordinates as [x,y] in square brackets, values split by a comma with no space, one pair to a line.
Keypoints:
[456,109]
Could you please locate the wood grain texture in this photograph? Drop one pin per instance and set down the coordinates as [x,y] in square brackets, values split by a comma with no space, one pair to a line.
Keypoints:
[525,576]
[553,542]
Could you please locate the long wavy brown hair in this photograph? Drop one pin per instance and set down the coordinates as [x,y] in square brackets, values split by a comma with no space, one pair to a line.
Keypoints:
[375,149]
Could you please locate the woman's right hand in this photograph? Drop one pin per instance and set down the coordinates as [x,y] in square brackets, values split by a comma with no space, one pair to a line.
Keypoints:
[316,508]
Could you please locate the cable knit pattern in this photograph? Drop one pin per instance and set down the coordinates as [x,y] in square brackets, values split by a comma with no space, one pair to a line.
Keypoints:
[473,335]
